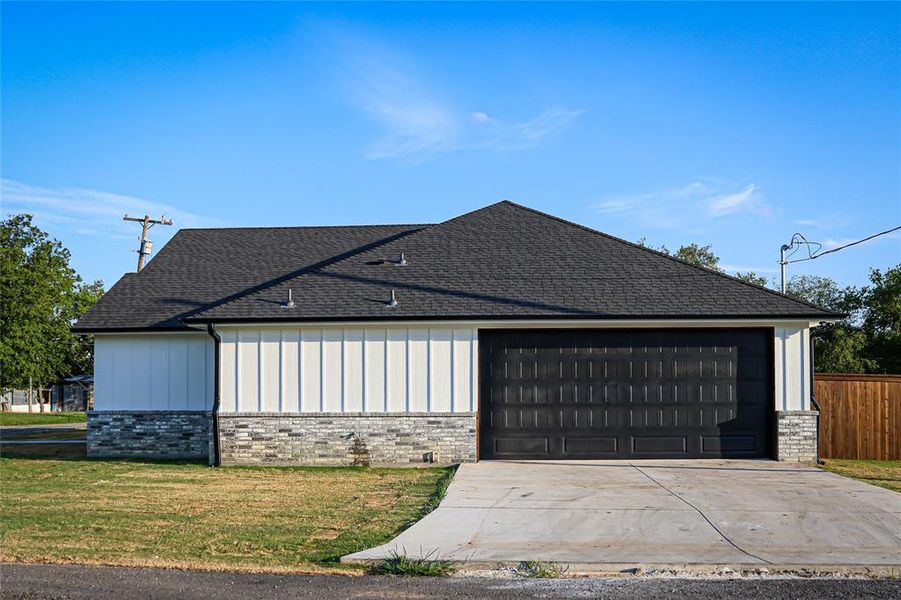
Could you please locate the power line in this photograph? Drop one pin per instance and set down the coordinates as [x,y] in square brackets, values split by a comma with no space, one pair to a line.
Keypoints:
[816,254]
[799,240]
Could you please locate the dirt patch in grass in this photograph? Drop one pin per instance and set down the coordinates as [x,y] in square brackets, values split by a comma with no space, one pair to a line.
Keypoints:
[194,516]
[9,418]
[884,473]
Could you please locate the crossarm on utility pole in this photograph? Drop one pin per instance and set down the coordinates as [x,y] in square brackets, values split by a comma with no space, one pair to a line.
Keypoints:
[146,223]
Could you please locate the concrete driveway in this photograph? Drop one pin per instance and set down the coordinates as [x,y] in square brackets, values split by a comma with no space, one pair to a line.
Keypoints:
[656,512]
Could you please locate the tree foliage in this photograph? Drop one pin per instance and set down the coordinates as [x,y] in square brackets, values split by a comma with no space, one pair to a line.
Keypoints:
[753,278]
[41,298]
[704,256]
[869,339]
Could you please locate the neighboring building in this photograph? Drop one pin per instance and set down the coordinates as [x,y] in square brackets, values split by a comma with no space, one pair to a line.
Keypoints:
[68,394]
[17,401]
[73,393]
[512,334]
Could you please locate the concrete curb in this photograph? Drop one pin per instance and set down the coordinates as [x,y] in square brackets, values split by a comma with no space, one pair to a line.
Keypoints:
[679,570]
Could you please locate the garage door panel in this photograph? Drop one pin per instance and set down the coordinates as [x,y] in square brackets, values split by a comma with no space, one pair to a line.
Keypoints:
[579,446]
[625,393]
[653,445]
[522,446]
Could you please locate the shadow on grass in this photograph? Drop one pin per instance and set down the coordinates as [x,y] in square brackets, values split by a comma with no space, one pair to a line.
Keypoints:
[77,452]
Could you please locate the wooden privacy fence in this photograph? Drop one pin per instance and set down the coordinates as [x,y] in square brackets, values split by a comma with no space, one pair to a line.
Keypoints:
[860,416]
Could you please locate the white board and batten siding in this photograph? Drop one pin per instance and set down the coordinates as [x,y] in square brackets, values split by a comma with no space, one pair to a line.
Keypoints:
[792,368]
[153,372]
[349,370]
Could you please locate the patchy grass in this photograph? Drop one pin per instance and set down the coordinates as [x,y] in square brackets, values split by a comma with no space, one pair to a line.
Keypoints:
[541,570]
[429,565]
[48,418]
[884,473]
[193,516]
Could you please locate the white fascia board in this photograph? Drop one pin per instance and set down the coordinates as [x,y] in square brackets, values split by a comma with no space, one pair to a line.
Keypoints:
[527,324]
[147,332]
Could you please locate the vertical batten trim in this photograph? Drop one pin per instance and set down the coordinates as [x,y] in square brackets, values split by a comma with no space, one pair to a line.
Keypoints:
[281,369]
[407,370]
[428,370]
[259,370]
[386,369]
[299,370]
[343,378]
[321,370]
[187,346]
[453,385]
[472,369]
[805,369]
[363,367]
[237,378]
[783,360]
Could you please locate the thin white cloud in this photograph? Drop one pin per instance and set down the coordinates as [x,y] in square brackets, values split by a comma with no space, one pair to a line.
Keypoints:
[480,117]
[810,223]
[88,212]
[676,207]
[415,123]
[744,201]
[417,120]
[527,134]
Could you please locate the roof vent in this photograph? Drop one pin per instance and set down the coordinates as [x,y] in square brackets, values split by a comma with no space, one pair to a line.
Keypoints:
[402,262]
[393,302]
[290,302]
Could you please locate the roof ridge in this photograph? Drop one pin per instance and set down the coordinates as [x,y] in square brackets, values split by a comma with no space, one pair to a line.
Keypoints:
[665,255]
[425,229]
[371,225]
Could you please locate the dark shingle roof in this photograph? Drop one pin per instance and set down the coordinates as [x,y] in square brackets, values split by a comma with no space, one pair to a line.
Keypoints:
[503,261]
[199,268]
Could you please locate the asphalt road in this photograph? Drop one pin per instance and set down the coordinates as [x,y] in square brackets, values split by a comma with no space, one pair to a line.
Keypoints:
[100,583]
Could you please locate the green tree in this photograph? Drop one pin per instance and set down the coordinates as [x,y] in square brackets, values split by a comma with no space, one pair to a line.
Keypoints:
[880,308]
[823,292]
[752,277]
[41,297]
[869,340]
[703,256]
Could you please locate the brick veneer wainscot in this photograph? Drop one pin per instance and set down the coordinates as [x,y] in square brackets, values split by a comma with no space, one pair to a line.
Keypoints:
[796,435]
[149,434]
[347,438]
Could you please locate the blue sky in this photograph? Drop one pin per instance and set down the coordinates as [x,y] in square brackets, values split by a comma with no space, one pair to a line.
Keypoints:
[733,125]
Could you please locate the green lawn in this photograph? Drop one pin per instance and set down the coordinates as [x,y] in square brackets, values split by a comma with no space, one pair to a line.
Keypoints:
[884,473]
[48,418]
[194,516]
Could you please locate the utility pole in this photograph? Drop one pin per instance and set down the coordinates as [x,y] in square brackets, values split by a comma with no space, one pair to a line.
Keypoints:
[146,245]
[782,264]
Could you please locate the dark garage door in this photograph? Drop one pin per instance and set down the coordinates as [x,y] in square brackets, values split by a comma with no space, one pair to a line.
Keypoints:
[625,393]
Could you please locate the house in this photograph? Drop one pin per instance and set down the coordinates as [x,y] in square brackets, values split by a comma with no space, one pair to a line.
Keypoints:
[503,333]
[72,393]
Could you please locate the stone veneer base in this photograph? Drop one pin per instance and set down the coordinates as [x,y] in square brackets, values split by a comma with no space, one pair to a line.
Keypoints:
[149,434]
[796,435]
[346,438]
